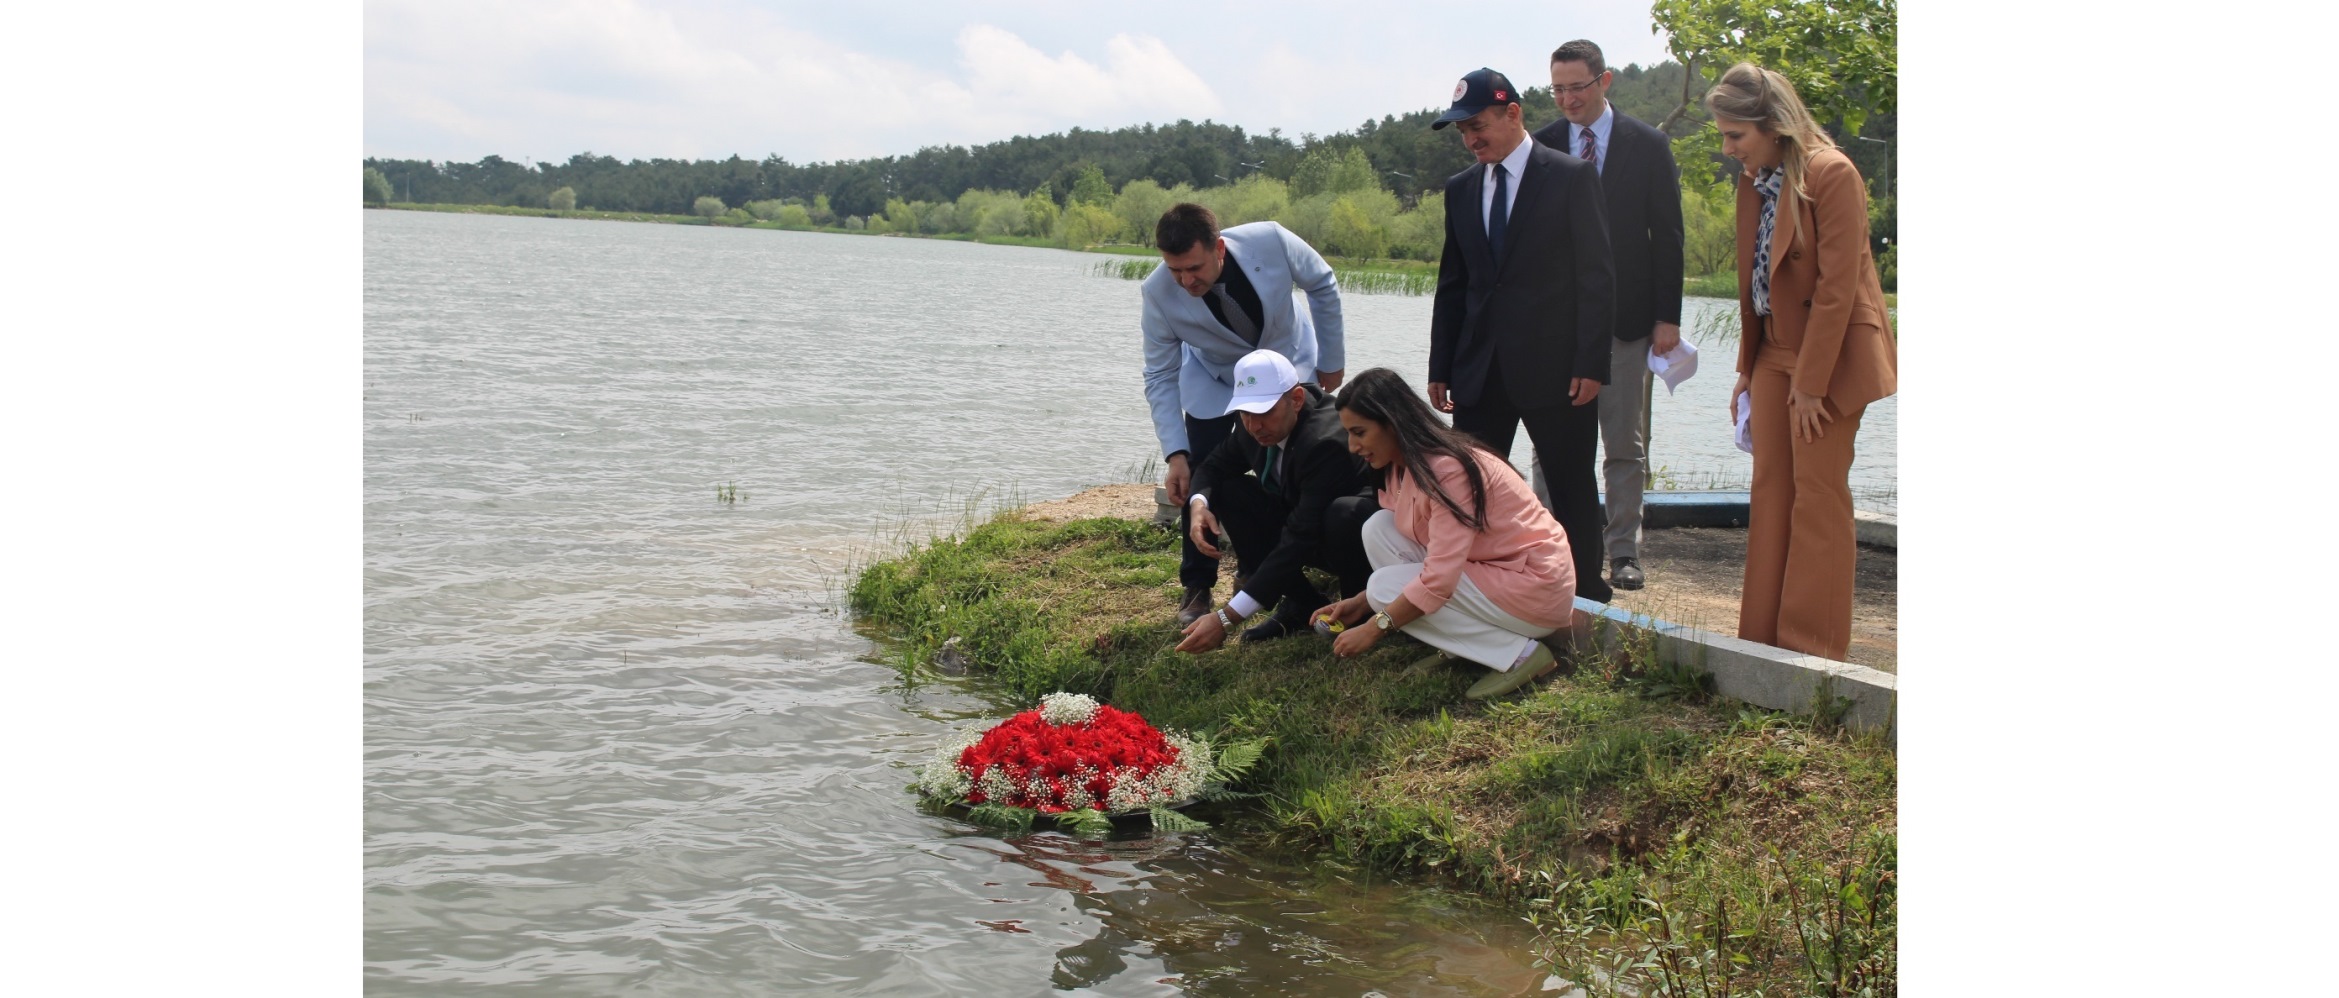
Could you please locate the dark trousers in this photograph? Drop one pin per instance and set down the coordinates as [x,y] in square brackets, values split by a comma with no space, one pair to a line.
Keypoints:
[1566,439]
[1254,521]
[1195,569]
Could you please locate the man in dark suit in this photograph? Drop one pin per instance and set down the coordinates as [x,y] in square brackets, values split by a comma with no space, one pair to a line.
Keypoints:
[1289,494]
[1643,190]
[1524,315]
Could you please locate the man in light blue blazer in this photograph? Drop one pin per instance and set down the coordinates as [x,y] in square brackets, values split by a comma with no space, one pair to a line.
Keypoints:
[1216,297]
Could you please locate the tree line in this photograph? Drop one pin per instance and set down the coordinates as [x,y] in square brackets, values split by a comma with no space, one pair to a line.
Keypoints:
[1367,192]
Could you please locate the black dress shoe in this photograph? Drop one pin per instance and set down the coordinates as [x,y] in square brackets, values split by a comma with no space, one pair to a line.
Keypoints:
[1191,609]
[1625,573]
[1274,627]
[1287,620]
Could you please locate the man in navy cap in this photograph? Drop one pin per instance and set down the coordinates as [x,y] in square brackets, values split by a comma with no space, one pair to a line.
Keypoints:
[1521,328]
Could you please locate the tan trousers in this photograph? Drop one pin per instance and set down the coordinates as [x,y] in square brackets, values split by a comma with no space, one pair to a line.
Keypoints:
[1801,546]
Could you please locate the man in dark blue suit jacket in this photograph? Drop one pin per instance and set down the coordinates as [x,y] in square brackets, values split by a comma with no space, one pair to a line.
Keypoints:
[1524,318]
[1643,190]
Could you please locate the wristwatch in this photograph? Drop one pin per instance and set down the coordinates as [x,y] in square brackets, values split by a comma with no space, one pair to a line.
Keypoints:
[1383,621]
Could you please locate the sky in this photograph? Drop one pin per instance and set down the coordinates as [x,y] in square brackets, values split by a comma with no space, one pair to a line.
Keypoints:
[704,79]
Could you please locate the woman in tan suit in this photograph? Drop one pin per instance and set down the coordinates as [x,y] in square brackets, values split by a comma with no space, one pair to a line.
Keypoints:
[1814,350]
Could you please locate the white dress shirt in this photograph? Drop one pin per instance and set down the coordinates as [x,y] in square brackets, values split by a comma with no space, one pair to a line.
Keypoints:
[1513,164]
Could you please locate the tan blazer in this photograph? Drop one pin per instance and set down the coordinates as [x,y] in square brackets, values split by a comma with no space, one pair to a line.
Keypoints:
[1826,302]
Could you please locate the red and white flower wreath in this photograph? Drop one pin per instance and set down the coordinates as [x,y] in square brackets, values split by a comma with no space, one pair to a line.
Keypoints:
[1082,764]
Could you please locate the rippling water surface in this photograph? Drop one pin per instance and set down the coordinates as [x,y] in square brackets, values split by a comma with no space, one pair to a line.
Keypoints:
[619,737]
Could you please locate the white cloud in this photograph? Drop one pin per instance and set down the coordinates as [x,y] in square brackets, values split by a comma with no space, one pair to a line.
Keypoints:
[631,79]
[1011,87]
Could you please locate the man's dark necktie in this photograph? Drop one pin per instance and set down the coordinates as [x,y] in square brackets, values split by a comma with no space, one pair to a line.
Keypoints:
[1591,149]
[1267,474]
[1499,217]
[1236,319]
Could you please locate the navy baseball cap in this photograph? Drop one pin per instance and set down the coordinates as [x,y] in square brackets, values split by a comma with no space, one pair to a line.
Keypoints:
[1481,89]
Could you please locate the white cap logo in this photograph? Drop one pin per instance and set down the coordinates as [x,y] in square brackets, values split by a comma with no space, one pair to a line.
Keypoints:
[1461,87]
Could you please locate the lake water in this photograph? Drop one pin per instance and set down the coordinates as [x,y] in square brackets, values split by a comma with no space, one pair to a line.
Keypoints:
[619,736]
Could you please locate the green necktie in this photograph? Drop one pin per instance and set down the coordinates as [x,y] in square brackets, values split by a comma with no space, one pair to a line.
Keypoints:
[1267,474]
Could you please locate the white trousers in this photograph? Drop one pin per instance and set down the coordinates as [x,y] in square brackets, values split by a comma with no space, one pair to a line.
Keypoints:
[1469,625]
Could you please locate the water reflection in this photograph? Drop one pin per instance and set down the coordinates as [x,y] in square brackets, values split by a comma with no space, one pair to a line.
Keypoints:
[1183,914]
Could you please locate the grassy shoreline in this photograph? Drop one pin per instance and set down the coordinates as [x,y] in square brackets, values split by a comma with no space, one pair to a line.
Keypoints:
[1634,817]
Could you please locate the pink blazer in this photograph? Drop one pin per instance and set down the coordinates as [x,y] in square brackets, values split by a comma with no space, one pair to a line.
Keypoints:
[1520,561]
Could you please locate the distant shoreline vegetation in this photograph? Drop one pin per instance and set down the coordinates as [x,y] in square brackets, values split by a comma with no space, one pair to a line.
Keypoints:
[1406,277]
[1382,276]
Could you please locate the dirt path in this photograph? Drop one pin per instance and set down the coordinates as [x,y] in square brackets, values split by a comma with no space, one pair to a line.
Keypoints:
[1694,573]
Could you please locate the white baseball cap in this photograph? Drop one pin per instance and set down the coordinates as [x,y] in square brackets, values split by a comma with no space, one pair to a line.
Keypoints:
[1261,379]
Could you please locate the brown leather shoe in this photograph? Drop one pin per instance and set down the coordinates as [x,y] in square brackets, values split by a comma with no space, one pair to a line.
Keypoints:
[1196,603]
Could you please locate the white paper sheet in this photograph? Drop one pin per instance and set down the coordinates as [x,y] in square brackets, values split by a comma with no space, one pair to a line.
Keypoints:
[1674,366]
[1745,422]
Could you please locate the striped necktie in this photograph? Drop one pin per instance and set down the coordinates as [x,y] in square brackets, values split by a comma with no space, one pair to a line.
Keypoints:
[1591,149]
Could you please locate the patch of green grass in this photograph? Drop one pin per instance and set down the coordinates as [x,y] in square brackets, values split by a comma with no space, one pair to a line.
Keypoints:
[1719,284]
[1600,793]
[1361,278]
[1127,270]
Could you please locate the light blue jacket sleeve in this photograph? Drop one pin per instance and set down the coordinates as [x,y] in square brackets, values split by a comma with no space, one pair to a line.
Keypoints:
[1310,274]
[1164,355]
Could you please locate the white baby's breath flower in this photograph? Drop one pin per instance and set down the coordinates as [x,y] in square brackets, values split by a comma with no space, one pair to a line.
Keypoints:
[1186,776]
[1129,793]
[1067,708]
[997,785]
[944,777]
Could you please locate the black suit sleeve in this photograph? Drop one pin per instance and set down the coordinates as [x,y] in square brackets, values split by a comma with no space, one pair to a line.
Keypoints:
[1226,460]
[1587,217]
[1665,241]
[1453,295]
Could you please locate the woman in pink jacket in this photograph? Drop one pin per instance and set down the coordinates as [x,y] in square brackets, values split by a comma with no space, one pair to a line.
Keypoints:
[1464,558]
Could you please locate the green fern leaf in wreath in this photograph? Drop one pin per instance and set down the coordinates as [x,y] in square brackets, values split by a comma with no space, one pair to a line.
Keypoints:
[1166,820]
[1002,816]
[1088,821]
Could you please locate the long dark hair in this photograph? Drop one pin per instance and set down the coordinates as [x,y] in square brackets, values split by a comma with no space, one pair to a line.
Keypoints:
[1381,395]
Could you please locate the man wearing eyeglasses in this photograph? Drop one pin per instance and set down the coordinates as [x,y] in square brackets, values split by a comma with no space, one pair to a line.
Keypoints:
[1642,192]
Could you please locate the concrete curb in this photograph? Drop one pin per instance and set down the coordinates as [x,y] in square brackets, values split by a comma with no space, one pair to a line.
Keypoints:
[1877,530]
[1729,509]
[1756,673]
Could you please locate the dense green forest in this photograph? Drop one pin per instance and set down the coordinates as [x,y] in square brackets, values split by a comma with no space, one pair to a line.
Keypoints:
[1410,156]
[1371,192]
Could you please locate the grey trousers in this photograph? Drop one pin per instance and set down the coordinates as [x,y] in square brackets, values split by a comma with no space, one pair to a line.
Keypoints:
[1624,464]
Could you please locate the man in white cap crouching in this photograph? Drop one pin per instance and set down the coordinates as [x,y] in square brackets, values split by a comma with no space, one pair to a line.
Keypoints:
[1289,495]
